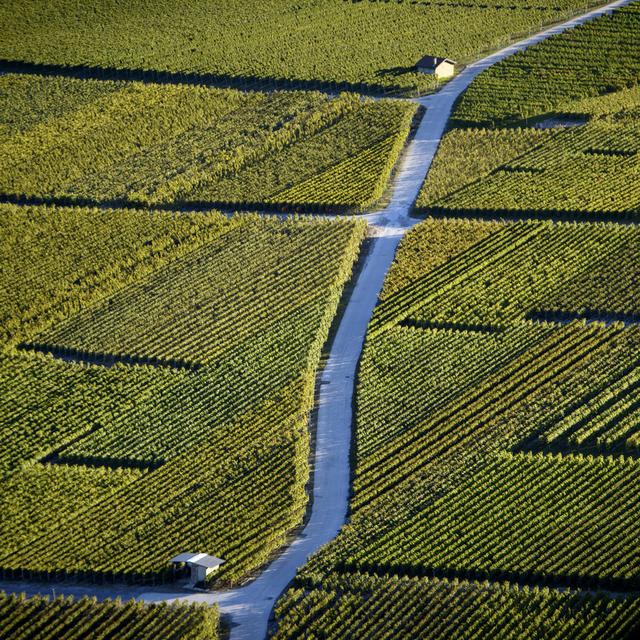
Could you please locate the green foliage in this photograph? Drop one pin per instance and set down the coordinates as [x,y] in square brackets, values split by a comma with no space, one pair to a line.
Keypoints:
[605,418]
[504,409]
[616,102]
[346,165]
[67,619]
[520,270]
[361,178]
[591,170]
[583,164]
[497,417]
[466,156]
[368,44]
[429,245]
[37,494]
[150,144]
[50,404]
[555,517]
[197,310]
[26,100]
[64,259]
[595,58]
[364,606]
[451,363]
[246,302]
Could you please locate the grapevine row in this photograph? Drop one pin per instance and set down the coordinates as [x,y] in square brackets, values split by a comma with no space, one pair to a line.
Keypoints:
[365,46]
[389,607]
[89,619]
[151,144]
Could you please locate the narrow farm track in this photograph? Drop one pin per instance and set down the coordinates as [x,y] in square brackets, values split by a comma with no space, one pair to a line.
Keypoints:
[248,608]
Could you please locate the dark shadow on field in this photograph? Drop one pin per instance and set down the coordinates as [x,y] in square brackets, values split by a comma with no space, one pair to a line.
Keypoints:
[104,359]
[395,71]
[184,207]
[244,83]
[514,215]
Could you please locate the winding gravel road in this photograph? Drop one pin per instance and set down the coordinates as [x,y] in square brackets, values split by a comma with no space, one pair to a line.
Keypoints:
[249,607]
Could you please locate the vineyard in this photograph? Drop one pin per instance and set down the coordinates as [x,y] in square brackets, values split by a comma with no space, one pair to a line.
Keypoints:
[439,438]
[440,608]
[521,269]
[496,451]
[64,619]
[556,517]
[596,58]
[332,44]
[580,89]
[531,171]
[90,141]
[237,326]
[470,156]
[498,401]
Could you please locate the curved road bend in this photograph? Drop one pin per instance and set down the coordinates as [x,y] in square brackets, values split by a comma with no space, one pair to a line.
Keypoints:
[249,607]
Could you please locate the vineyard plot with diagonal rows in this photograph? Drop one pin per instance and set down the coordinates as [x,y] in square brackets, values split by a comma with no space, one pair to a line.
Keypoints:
[209,455]
[595,58]
[403,607]
[549,172]
[64,619]
[94,141]
[575,150]
[497,418]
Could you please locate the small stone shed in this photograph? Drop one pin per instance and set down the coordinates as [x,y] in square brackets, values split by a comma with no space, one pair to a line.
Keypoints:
[439,67]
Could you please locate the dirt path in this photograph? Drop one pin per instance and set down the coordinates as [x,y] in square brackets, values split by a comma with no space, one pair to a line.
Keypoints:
[249,607]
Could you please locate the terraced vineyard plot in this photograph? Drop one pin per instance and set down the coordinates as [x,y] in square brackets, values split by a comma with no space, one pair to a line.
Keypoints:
[38,493]
[131,143]
[40,287]
[491,444]
[518,270]
[86,618]
[245,302]
[331,43]
[451,361]
[467,156]
[528,395]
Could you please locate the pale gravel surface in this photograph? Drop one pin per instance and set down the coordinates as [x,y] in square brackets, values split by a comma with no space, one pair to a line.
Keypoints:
[249,607]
